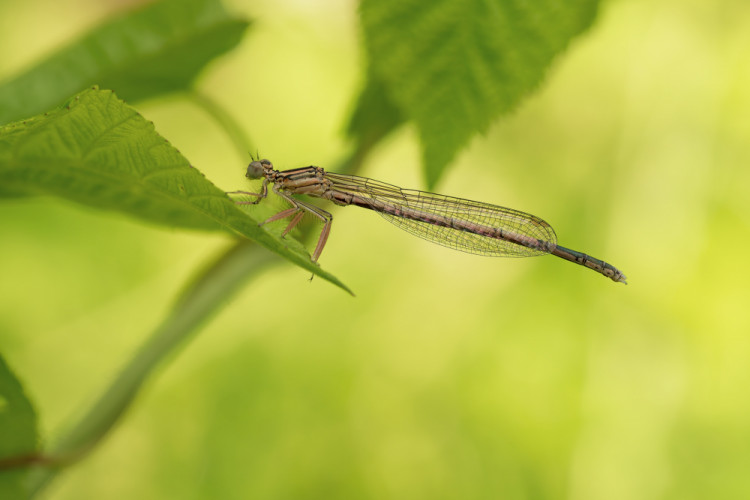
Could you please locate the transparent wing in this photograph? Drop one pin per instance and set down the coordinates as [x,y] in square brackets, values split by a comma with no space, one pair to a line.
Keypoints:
[476,219]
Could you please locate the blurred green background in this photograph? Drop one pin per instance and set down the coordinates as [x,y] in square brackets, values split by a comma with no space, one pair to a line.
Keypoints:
[448,375]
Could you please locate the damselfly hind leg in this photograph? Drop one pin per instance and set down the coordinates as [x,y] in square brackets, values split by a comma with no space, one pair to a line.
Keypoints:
[299,208]
[325,217]
[283,215]
[293,223]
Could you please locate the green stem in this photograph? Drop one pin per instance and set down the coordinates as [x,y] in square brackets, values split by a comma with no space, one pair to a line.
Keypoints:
[233,129]
[201,300]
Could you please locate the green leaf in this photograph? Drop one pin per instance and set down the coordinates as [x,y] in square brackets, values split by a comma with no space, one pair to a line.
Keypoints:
[98,151]
[453,66]
[142,54]
[18,434]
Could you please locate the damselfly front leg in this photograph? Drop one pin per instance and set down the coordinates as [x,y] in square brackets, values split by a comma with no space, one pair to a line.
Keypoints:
[258,196]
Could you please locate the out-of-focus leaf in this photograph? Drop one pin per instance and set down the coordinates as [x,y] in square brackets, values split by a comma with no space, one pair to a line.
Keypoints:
[98,151]
[141,54]
[452,66]
[374,117]
[18,434]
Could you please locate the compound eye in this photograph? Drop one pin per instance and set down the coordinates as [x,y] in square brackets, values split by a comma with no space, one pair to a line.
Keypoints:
[254,170]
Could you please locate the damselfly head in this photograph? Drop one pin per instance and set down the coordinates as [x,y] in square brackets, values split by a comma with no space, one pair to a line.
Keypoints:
[256,169]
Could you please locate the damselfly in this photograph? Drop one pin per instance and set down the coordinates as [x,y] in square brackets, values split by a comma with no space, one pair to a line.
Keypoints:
[469,226]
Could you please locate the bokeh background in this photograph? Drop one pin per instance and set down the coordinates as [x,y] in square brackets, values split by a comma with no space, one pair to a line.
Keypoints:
[448,375]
